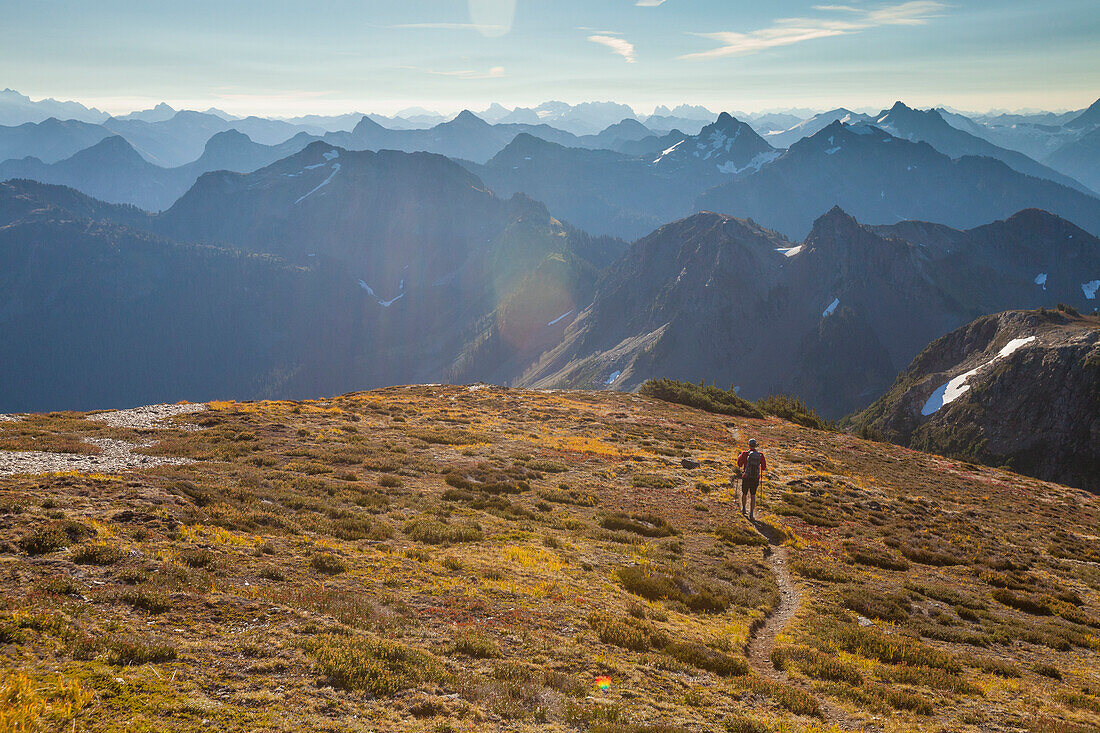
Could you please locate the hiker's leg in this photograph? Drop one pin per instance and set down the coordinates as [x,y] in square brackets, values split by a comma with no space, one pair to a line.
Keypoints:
[752,506]
[743,497]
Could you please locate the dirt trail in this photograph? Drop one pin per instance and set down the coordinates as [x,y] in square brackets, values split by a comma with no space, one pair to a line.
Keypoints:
[759,647]
[760,644]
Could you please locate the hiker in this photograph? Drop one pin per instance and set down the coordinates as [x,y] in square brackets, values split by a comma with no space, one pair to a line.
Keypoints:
[750,465]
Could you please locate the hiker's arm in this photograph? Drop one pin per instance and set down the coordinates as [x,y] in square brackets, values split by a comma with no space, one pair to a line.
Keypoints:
[741,461]
[763,463]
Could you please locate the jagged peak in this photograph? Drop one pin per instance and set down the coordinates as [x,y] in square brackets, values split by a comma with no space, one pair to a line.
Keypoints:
[466,118]
[366,124]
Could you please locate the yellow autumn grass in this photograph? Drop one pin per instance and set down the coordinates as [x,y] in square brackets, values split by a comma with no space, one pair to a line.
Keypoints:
[28,705]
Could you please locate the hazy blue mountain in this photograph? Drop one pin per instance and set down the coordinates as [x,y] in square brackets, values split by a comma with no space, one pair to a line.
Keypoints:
[1080,159]
[419,273]
[181,138]
[159,113]
[50,140]
[882,179]
[110,170]
[929,126]
[113,171]
[813,125]
[17,109]
[624,195]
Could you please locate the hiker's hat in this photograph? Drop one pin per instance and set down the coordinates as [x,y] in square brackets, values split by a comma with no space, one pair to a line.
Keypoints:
[752,442]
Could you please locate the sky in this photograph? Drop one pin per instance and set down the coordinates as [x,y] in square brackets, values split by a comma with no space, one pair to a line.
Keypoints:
[326,57]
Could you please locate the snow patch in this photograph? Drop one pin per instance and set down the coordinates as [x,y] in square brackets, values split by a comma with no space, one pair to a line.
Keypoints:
[366,287]
[391,301]
[789,251]
[315,165]
[758,161]
[331,154]
[1090,289]
[955,388]
[614,375]
[563,315]
[666,152]
[335,170]
[832,150]
[831,309]
[1041,279]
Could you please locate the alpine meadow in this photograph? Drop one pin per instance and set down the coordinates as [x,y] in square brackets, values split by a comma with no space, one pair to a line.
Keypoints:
[642,366]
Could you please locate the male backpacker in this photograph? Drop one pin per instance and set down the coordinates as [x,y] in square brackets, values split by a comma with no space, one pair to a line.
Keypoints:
[752,464]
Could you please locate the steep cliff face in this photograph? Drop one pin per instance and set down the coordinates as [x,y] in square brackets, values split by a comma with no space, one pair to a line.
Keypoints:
[1020,388]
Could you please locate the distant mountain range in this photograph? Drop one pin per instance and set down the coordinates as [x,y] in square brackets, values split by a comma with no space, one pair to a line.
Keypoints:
[626,195]
[393,267]
[882,179]
[831,319]
[113,171]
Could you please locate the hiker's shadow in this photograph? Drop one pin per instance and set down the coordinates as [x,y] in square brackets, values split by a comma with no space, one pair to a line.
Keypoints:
[771,534]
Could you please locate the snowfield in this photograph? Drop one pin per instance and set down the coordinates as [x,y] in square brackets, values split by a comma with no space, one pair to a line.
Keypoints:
[955,388]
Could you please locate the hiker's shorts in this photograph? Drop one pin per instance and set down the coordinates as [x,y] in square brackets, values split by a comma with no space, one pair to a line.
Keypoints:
[750,485]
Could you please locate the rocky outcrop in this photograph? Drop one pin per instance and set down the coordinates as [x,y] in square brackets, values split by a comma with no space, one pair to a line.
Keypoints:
[1020,388]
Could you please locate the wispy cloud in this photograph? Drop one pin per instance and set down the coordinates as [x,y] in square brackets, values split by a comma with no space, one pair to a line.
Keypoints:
[479,27]
[618,45]
[788,31]
[648,3]
[494,73]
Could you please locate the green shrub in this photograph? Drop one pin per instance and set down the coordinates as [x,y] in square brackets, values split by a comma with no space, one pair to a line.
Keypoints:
[130,650]
[792,409]
[741,536]
[875,557]
[194,557]
[146,599]
[655,585]
[651,481]
[888,648]
[327,563]
[872,604]
[435,532]
[97,555]
[710,399]
[999,667]
[1047,670]
[626,632]
[929,556]
[788,697]
[813,663]
[44,540]
[371,664]
[741,724]
[361,528]
[817,571]
[712,660]
[1035,605]
[475,644]
[647,525]
[933,677]
[547,466]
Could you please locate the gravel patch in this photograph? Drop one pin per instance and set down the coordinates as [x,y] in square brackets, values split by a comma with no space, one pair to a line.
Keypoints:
[117,456]
[148,417]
